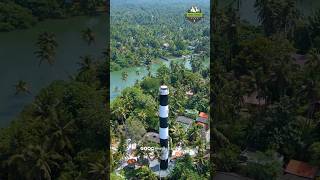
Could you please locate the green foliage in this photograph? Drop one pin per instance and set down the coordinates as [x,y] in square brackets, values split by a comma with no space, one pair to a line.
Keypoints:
[135,129]
[163,73]
[113,176]
[227,158]
[145,173]
[62,132]
[265,166]
[136,36]
[264,95]
[134,103]
[314,151]
[13,16]
[184,169]
[22,14]
[277,128]
[47,46]
[277,16]
[314,22]
[302,40]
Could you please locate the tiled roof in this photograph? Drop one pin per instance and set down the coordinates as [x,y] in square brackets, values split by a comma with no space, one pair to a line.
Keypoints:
[301,169]
[184,120]
[202,120]
[203,115]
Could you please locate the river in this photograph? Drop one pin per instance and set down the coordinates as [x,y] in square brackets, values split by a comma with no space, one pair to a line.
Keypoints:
[117,84]
[18,61]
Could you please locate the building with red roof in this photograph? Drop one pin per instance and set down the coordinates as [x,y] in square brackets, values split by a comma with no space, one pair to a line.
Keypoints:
[301,169]
[203,120]
[203,115]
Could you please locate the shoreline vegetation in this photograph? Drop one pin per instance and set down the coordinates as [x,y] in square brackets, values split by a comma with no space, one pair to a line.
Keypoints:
[17,14]
[62,133]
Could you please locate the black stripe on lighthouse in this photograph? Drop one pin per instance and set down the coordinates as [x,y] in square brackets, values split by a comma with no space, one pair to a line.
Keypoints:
[164,129]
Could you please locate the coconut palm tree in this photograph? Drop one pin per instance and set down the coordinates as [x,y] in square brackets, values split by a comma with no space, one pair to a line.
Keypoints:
[124,75]
[178,134]
[87,63]
[145,173]
[60,131]
[277,16]
[219,139]
[142,116]
[47,45]
[194,135]
[135,61]
[148,63]
[99,169]
[22,87]
[43,161]
[200,161]
[121,113]
[88,36]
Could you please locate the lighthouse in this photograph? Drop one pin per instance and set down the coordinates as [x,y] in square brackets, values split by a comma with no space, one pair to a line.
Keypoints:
[164,129]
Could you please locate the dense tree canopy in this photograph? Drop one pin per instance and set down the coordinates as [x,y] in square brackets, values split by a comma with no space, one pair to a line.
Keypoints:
[152,32]
[265,89]
[21,14]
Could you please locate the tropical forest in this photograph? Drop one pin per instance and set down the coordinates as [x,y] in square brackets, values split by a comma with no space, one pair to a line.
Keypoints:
[54,99]
[265,85]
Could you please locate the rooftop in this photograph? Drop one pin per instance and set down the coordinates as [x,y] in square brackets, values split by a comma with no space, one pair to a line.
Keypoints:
[301,169]
[184,120]
[202,120]
[253,99]
[203,115]
[152,136]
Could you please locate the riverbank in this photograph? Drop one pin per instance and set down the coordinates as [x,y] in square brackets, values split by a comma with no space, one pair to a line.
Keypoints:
[117,84]
[17,15]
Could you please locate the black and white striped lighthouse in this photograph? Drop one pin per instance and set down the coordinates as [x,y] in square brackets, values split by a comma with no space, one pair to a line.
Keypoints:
[164,129]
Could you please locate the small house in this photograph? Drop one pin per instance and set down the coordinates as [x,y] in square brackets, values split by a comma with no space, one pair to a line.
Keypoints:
[202,120]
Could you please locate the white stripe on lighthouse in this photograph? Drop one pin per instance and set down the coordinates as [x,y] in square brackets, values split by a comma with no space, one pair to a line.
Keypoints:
[165,154]
[164,133]
[163,111]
